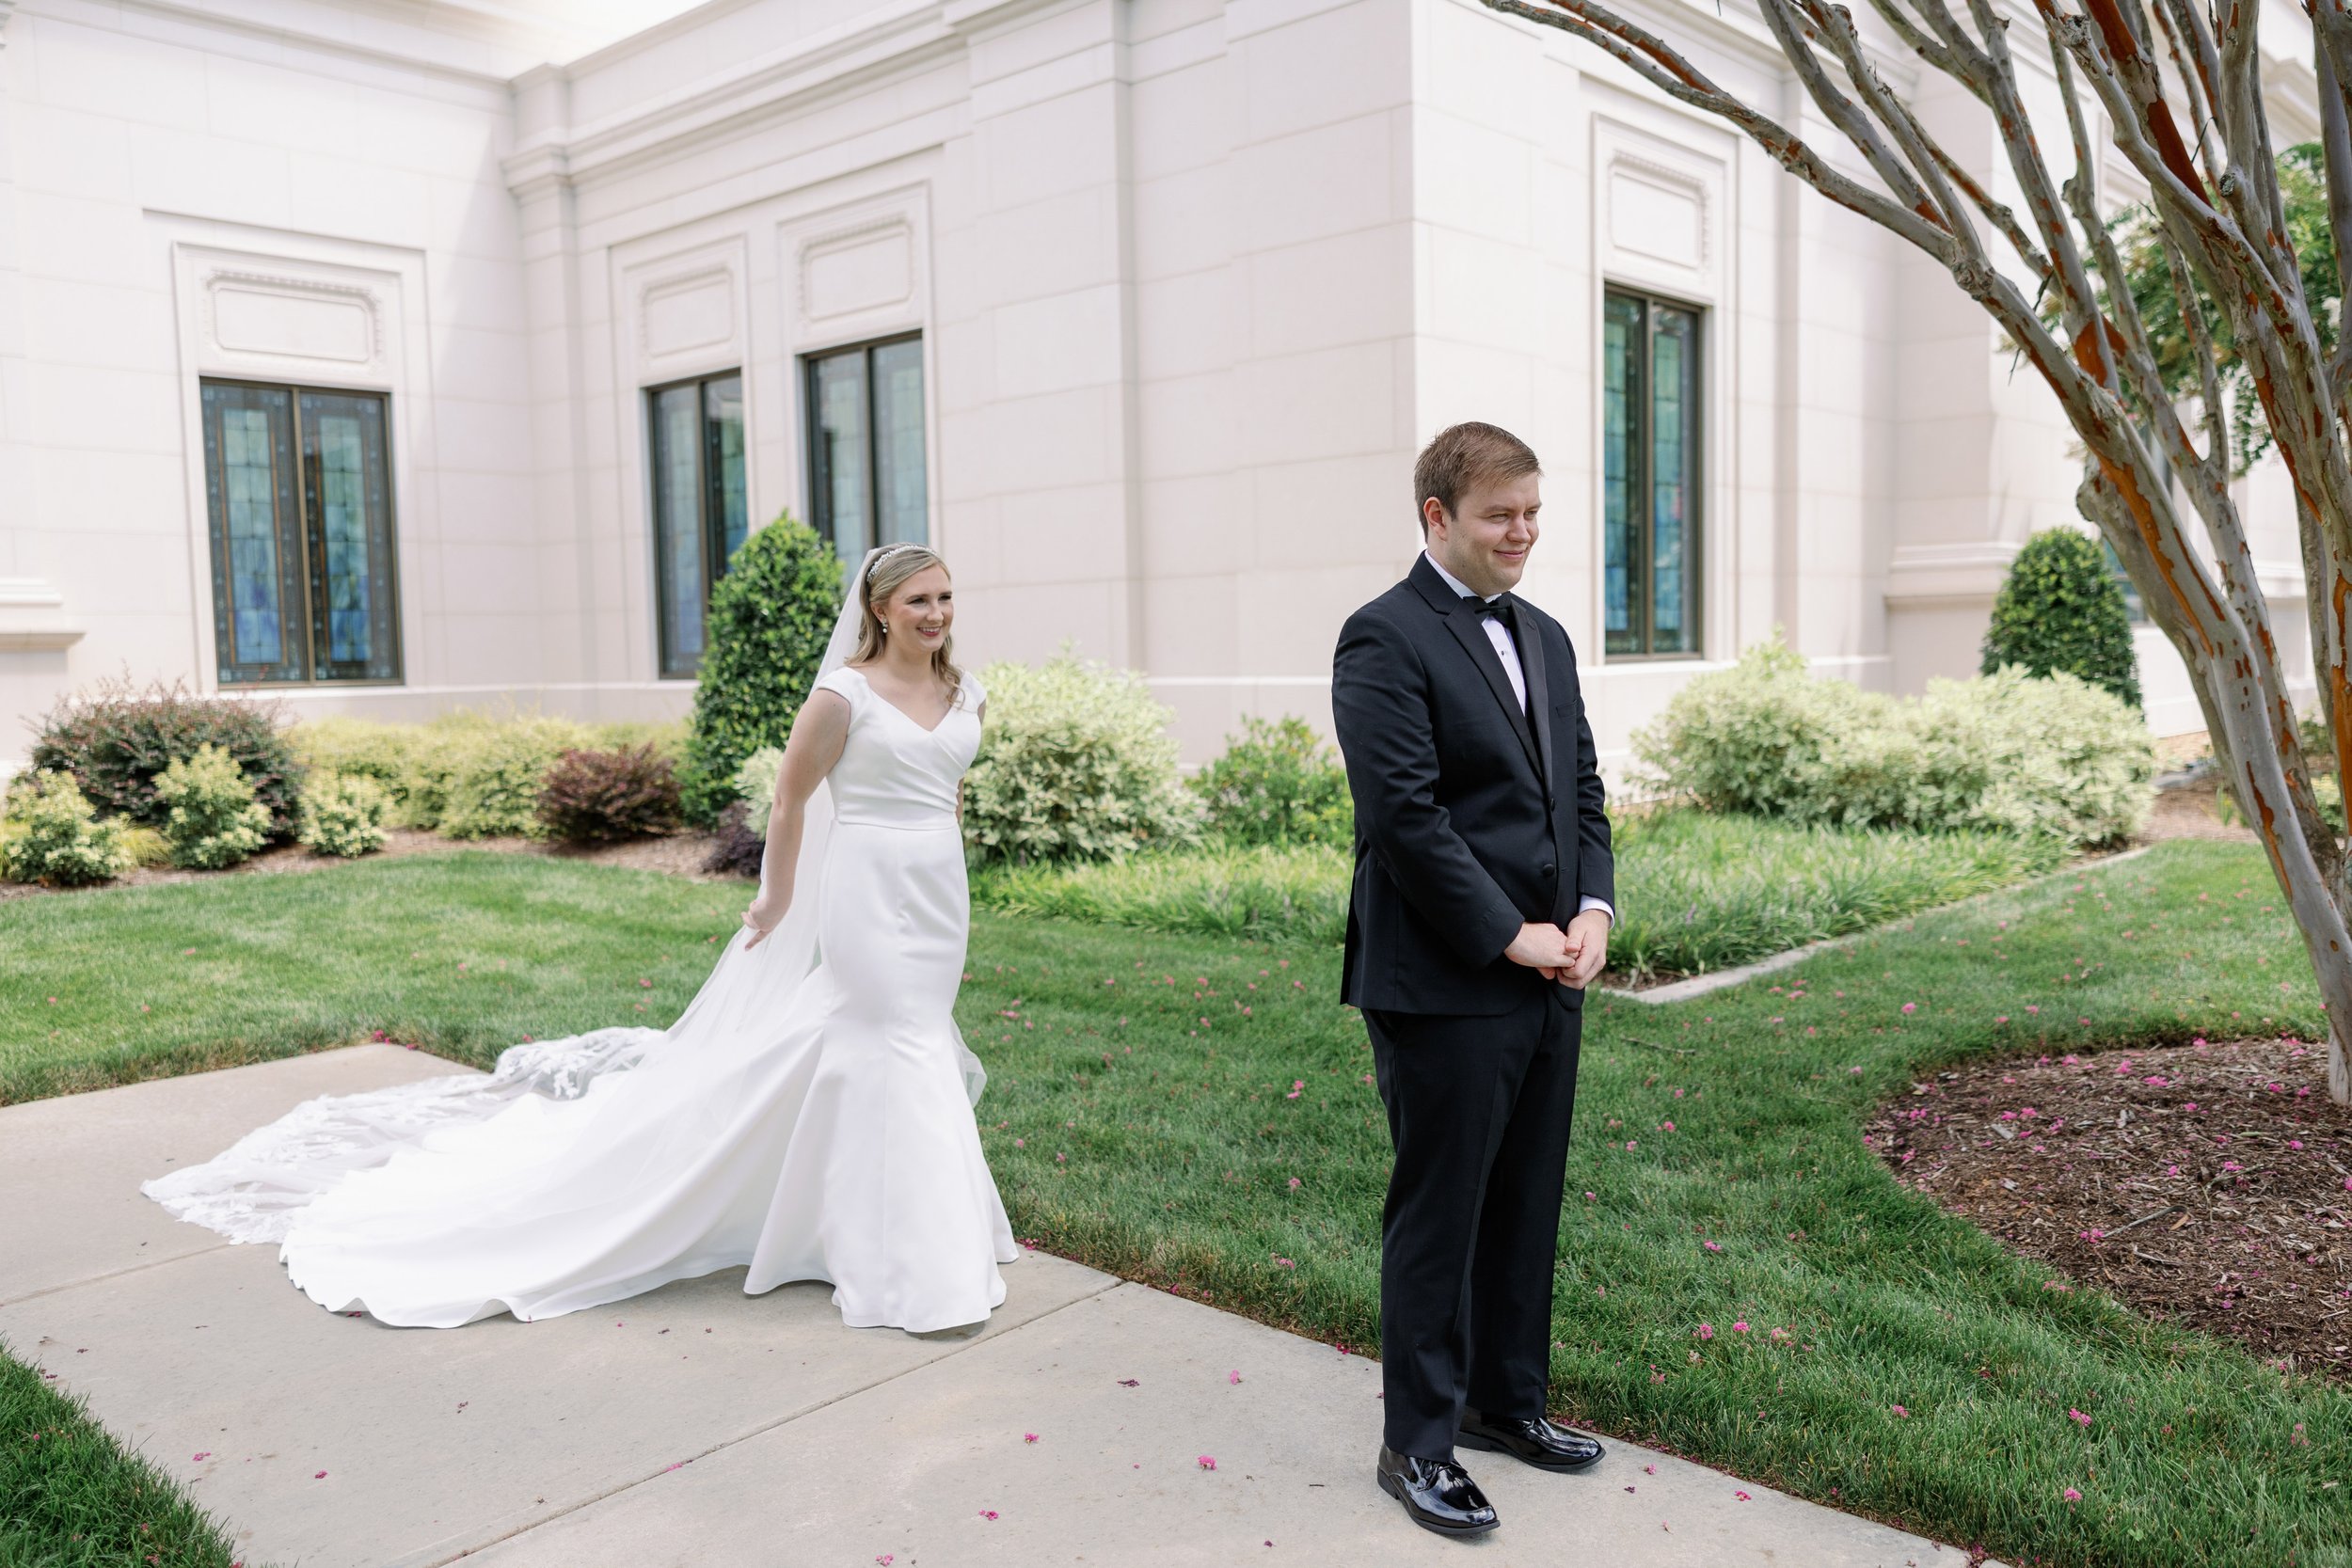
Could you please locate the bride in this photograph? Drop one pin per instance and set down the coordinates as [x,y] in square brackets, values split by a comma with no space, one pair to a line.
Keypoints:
[808,1117]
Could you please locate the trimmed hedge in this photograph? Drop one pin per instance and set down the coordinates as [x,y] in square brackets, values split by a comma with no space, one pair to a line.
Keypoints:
[768,620]
[2060,611]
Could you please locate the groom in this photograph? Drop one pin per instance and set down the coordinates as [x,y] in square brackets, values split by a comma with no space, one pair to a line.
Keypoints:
[1480,912]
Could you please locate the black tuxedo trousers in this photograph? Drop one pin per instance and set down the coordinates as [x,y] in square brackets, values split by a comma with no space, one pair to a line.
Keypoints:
[1478,1113]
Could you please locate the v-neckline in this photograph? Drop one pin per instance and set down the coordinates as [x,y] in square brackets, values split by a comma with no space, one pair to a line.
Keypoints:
[926,729]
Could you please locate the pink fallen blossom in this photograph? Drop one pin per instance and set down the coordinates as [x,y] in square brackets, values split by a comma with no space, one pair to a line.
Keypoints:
[987,1514]
[1232,1377]
[1742,1496]
[1712,1246]
[1028,1437]
[2072,1495]
[1207,1462]
[1911,1006]
[1898,1410]
[2077,1416]
[1739,1327]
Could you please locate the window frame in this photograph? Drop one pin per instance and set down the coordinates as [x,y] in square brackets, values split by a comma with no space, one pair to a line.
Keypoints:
[304,493]
[1640,590]
[812,434]
[710,553]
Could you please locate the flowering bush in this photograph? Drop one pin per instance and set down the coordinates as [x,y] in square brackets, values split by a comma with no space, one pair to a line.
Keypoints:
[214,821]
[601,797]
[50,833]
[1075,764]
[117,739]
[2010,752]
[343,814]
[1277,783]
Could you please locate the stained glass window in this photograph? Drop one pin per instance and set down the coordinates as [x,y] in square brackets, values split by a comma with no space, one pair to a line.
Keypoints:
[1650,451]
[701,509]
[298,489]
[869,483]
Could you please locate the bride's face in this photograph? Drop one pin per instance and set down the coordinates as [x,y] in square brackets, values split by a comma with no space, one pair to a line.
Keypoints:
[922,611]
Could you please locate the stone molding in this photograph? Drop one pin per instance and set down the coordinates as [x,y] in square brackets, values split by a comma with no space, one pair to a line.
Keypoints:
[32,614]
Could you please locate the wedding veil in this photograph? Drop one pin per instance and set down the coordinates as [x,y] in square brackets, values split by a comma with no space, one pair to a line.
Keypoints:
[251,1191]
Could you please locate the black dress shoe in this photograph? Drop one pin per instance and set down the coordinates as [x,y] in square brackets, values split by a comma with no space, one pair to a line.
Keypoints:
[1437,1493]
[1537,1441]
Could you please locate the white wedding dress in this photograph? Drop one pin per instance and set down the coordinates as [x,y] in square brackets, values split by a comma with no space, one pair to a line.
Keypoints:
[808,1117]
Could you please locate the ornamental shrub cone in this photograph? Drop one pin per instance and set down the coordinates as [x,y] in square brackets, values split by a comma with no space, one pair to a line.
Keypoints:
[2060,609]
[770,617]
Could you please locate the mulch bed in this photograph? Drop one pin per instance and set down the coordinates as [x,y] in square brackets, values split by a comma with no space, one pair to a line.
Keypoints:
[2208,1183]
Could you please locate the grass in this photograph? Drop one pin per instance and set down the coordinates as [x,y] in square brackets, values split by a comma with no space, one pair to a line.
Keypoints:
[71,1498]
[1138,1119]
[462,955]
[1695,892]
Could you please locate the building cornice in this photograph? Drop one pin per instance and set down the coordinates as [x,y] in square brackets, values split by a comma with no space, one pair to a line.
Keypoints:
[184,11]
[895,36]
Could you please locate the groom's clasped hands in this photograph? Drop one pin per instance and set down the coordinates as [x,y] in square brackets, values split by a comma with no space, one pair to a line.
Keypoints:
[1573,957]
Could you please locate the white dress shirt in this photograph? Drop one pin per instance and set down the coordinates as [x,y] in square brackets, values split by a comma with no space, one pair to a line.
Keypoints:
[1497,634]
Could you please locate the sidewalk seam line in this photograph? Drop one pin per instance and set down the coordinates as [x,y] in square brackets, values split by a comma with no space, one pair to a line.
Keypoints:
[739,1438]
[119,1274]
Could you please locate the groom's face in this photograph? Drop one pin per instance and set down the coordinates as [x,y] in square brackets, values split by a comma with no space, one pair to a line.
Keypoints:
[1486,540]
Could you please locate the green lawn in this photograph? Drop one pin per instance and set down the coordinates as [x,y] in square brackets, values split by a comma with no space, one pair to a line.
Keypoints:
[1127,1132]
[70,1497]
[1695,892]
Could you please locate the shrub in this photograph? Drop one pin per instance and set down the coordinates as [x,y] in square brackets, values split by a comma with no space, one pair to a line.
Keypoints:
[2010,753]
[53,834]
[360,748]
[477,775]
[214,821]
[770,618]
[1076,764]
[667,737]
[1277,783]
[117,739]
[343,814]
[603,797]
[755,783]
[2060,609]
[735,849]
[1759,738]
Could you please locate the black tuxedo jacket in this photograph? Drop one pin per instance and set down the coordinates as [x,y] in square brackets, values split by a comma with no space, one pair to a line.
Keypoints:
[1470,820]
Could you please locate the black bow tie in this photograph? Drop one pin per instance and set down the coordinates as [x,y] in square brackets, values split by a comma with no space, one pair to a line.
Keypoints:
[1500,607]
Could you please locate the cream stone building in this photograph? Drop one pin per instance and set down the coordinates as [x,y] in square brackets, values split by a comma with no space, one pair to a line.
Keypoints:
[386,355]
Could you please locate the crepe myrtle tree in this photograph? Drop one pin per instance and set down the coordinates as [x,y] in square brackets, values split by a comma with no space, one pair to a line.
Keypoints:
[2176,86]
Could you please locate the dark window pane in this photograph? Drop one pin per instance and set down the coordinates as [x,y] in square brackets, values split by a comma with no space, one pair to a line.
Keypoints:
[898,474]
[1621,340]
[1674,404]
[256,526]
[353,618]
[677,525]
[723,460]
[840,455]
[1651,529]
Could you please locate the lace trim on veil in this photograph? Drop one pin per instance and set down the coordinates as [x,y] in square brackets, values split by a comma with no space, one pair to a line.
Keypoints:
[252,1191]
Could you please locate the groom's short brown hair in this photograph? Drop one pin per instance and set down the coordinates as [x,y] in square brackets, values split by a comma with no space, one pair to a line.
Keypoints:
[1464,456]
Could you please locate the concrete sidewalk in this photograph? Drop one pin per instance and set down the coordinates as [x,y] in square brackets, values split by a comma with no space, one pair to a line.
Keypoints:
[698,1425]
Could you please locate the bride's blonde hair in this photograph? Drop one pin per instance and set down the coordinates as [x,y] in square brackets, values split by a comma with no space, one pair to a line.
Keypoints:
[889,573]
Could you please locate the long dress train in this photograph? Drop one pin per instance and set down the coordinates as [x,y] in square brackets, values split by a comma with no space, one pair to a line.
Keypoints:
[809,1115]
